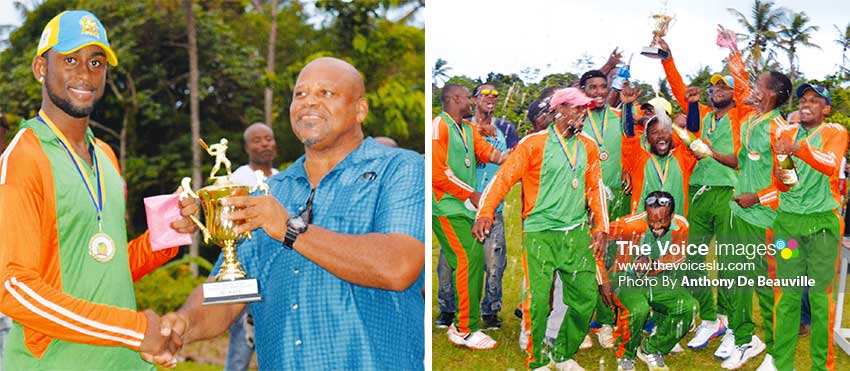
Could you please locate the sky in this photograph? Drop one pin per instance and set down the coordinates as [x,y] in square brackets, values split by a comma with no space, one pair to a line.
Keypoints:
[476,36]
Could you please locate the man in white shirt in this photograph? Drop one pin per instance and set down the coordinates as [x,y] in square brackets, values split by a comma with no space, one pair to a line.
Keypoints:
[261,149]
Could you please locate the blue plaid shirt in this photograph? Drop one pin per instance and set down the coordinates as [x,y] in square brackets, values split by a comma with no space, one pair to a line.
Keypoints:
[311,320]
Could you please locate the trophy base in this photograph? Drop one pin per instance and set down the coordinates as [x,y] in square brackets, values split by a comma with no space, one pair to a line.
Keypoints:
[655,53]
[236,291]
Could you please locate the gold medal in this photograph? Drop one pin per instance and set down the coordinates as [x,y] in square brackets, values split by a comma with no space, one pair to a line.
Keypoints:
[603,156]
[101,247]
[467,162]
[755,156]
[575,183]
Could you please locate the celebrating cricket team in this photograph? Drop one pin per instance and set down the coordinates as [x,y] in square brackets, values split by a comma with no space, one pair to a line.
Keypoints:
[631,217]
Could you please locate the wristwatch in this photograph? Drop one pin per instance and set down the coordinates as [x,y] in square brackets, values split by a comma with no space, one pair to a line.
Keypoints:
[294,227]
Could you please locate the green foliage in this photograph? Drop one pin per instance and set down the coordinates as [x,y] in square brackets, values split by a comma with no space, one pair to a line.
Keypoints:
[166,289]
[147,94]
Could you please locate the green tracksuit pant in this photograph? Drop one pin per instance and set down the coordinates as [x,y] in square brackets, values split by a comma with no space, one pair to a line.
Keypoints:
[569,254]
[741,297]
[708,216]
[465,255]
[616,208]
[817,238]
[673,310]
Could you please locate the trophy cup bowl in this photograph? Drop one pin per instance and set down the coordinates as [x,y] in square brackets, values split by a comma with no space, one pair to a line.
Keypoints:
[660,22]
[231,284]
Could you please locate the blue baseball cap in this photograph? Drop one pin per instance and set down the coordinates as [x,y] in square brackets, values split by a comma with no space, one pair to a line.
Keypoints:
[819,90]
[728,80]
[73,30]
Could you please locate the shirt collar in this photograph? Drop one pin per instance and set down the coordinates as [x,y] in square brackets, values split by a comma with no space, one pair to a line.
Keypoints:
[367,150]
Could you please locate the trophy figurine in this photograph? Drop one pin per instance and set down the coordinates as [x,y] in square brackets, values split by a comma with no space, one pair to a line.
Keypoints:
[660,23]
[231,284]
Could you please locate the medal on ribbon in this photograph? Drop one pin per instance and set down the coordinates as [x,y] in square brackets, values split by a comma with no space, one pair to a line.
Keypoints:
[101,246]
[599,135]
[572,156]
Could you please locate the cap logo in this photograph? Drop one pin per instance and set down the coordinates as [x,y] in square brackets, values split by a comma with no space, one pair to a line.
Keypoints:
[45,37]
[88,26]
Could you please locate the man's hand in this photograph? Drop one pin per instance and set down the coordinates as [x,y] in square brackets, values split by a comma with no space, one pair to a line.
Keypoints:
[786,147]
[599,243]
[607,294]
[481,228]
[254,212]
[630,94]
[613,59]
[488,130]
[475,198]
[626,181]
[663,45]
[747,199]
[160,345]
[188,206]
[498,157]
[692,93]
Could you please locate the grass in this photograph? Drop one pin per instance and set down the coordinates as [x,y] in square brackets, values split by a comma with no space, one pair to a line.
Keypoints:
[508,356]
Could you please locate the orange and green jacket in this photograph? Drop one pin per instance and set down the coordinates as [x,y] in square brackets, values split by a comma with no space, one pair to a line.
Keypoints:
[821,149]
[645,179]
[549,200]
[758,134]
[66,306]
[452,182]
[634,228]
[722,135]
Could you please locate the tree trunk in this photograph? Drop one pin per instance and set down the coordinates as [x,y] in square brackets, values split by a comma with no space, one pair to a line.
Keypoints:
[195,115]
[269,93]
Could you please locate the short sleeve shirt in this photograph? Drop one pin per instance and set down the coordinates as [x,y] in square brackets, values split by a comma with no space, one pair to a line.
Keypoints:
[310,319]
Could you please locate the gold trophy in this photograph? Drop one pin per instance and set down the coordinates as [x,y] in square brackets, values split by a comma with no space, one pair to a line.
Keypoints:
[231,284]
[660,23]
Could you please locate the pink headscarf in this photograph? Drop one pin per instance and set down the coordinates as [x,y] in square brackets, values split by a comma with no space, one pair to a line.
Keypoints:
[571,96]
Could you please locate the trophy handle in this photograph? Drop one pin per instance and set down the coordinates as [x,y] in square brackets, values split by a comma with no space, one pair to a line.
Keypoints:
[186,184]
[261,183]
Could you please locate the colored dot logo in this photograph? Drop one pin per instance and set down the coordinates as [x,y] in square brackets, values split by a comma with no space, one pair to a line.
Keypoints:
[787,250]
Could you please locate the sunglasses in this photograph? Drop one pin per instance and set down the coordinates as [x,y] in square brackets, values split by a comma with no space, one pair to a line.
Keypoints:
[658,201]
[492,92]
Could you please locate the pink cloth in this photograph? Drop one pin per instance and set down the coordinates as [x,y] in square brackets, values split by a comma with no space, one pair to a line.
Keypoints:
[571,96]
[161,212]
[725,41]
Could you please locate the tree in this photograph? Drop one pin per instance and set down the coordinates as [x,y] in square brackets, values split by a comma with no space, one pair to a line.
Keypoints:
[440,71]
[194,110]
[795,32]
[844,40]
[760,32]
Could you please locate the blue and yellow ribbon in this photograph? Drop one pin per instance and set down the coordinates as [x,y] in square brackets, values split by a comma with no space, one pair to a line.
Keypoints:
[598,136]
[571,159]
[97,201]
[662,175]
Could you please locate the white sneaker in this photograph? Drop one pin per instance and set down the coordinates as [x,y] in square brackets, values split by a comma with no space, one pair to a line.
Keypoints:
[706,331]
[743,353]
[586,344]
[727,345]
[476,340]
[677,349]
[625,364]
[605,336]
[767,364]
[568,365]
[655,362]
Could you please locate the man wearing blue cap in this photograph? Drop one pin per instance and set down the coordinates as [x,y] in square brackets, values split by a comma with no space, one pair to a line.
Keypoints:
[808,227]
[67,266]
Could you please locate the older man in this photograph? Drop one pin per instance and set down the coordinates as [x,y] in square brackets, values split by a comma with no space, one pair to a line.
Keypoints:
[338,247]
[67,267]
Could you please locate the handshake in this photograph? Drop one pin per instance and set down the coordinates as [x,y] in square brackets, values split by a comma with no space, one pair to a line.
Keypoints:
[163,338]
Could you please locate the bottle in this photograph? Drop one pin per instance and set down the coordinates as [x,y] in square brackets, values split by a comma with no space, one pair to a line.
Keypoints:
[695,144]
[622,75]
[787,170]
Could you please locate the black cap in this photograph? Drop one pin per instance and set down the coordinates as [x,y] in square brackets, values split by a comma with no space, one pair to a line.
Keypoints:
[538,107]
[589,75]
